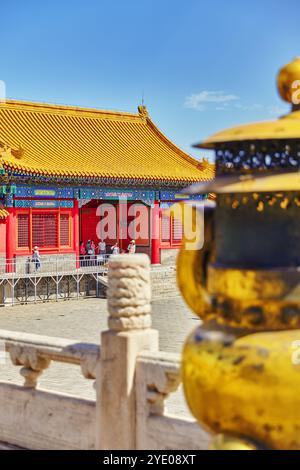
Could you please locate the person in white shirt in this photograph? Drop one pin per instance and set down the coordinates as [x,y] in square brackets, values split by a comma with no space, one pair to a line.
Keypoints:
[131,247]
[36,258]
[115,249]
[101,252]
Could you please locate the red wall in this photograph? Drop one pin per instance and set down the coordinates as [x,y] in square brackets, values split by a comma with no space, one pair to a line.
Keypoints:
[12,232]
[89,221]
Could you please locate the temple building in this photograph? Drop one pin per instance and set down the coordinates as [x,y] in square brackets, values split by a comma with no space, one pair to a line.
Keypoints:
[63,168]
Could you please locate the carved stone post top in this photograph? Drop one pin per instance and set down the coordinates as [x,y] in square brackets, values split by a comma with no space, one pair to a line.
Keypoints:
[137,259]
[129,292]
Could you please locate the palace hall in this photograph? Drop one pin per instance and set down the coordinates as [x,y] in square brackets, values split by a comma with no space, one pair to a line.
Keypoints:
[61,165]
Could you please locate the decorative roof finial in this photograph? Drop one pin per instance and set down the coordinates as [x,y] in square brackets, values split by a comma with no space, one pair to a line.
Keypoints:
[18,153]
[288,82]
[143,111]
[6,151]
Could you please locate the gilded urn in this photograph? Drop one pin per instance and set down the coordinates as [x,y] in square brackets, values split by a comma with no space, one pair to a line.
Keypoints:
[241,367]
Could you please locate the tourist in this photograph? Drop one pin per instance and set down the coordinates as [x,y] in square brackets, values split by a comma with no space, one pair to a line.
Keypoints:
[101,251]
[93,253]
[82,252]
[88,251]
[102,247]
[115,249]
[90,248]
[36,259]
[131,247]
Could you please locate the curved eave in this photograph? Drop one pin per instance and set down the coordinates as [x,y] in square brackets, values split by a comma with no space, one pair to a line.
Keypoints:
[205,175]
[285,128]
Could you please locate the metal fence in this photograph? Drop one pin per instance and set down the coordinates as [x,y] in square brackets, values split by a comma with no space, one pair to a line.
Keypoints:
[53,265]
[57,277]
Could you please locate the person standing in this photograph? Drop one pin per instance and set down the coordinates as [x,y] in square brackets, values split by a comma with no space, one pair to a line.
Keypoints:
[93,253]
[82,251]
[102,247]
[131,249]
[90,249]
[36,258]
[115,249]
[101,252]
[93,248]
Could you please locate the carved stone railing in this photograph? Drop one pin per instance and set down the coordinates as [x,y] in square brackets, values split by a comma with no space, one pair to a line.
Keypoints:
[35,353]
[34,418]
[133,380]
[157,377]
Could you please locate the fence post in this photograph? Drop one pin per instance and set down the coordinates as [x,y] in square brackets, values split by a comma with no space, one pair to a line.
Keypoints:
[129,333]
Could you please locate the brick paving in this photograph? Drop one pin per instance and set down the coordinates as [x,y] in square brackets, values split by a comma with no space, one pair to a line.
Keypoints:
[84,320]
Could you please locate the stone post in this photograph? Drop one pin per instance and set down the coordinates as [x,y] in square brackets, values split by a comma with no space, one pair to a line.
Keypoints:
[129,322]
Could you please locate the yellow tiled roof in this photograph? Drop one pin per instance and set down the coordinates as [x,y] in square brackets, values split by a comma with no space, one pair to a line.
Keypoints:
[75,142]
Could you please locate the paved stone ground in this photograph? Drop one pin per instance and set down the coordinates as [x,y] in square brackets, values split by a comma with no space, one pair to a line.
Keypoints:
[84,320]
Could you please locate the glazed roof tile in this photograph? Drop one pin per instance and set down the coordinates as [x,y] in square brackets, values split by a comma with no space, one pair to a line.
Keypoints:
[44,139]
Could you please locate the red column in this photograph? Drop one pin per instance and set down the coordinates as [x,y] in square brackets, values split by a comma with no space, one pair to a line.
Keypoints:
[155,234]
[10,239]
[122,227]
[76,232]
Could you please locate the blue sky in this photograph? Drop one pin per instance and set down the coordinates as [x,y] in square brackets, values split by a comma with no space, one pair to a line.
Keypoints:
[201,66]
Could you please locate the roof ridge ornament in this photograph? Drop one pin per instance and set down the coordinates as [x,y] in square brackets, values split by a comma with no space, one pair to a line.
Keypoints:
[143,111]
[204,164]
[7,151]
